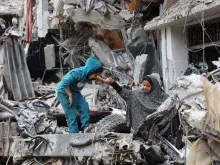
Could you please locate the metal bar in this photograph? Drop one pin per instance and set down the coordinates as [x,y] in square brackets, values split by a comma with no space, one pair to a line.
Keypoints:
[60,50]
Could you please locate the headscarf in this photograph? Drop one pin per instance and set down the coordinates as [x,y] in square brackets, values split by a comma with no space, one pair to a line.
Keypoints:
[151,101]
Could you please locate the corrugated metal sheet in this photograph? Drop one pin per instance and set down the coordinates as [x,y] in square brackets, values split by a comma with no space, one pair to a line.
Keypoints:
[16,71]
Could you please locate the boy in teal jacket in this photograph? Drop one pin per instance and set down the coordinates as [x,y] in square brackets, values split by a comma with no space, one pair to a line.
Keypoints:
[68,93]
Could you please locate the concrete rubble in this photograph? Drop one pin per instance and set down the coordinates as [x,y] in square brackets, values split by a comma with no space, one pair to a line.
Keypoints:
[46,39]
[156,137]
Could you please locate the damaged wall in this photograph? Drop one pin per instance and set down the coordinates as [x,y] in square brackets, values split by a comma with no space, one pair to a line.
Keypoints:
[176,14]
[180,53]
[174,55]
[42,18]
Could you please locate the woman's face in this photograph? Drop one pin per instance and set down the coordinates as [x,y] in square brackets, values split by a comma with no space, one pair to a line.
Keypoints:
[147,86]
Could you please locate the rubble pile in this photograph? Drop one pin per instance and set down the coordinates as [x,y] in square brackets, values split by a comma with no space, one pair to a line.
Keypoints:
[46,39]
[186,121]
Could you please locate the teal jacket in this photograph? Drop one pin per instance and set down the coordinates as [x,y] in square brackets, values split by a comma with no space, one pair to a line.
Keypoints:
[76,78]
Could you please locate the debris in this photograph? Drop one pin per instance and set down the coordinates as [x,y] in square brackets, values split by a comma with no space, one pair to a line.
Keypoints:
[126,14]
[98,5]
[105,99]
[140,46]
[2,23]
[137,31]
[94,17]
[109,58]
[139,70]
[9,7]
[49,54]
[217,63]
[33,127]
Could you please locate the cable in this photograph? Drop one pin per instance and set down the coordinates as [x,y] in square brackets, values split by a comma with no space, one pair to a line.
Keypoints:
[208,34]
[184,30]
[60,50]
[11,155]
[203,34]
[37,161]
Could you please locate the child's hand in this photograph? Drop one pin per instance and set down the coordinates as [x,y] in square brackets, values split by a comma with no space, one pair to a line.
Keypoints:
[70,100]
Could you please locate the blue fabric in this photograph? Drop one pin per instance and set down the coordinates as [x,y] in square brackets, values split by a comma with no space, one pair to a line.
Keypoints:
[80,104]
[75,80]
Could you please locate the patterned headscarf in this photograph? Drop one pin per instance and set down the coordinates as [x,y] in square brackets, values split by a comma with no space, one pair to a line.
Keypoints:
[151,101]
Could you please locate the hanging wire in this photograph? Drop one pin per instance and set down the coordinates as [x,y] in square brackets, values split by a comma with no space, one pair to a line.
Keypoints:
[60,50]
[185,30]
[213,44]
[203,34]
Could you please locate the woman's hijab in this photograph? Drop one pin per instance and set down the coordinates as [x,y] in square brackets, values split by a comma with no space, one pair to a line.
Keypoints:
[151,101]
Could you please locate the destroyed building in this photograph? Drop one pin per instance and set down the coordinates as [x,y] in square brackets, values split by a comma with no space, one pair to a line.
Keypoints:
[41,40]
[181,42]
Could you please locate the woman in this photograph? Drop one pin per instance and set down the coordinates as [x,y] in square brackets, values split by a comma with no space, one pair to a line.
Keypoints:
[68,93]
[141,102]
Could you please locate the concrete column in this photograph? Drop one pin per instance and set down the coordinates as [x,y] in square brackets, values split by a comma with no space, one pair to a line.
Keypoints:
[42,18]
[180,52]
[164,57]
[174,55]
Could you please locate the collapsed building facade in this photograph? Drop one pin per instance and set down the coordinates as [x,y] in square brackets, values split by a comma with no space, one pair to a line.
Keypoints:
[182,38]
[42,40]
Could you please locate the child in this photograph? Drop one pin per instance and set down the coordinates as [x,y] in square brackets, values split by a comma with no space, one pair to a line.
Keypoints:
[68,93]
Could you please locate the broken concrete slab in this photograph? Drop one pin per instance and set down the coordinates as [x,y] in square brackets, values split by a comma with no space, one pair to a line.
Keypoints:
[139,70]
[102,51]
[109,58]
[49,54]
[137,31]
[111,22]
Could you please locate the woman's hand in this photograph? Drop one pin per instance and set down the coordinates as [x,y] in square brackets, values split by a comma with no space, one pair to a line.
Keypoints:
[108,81]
